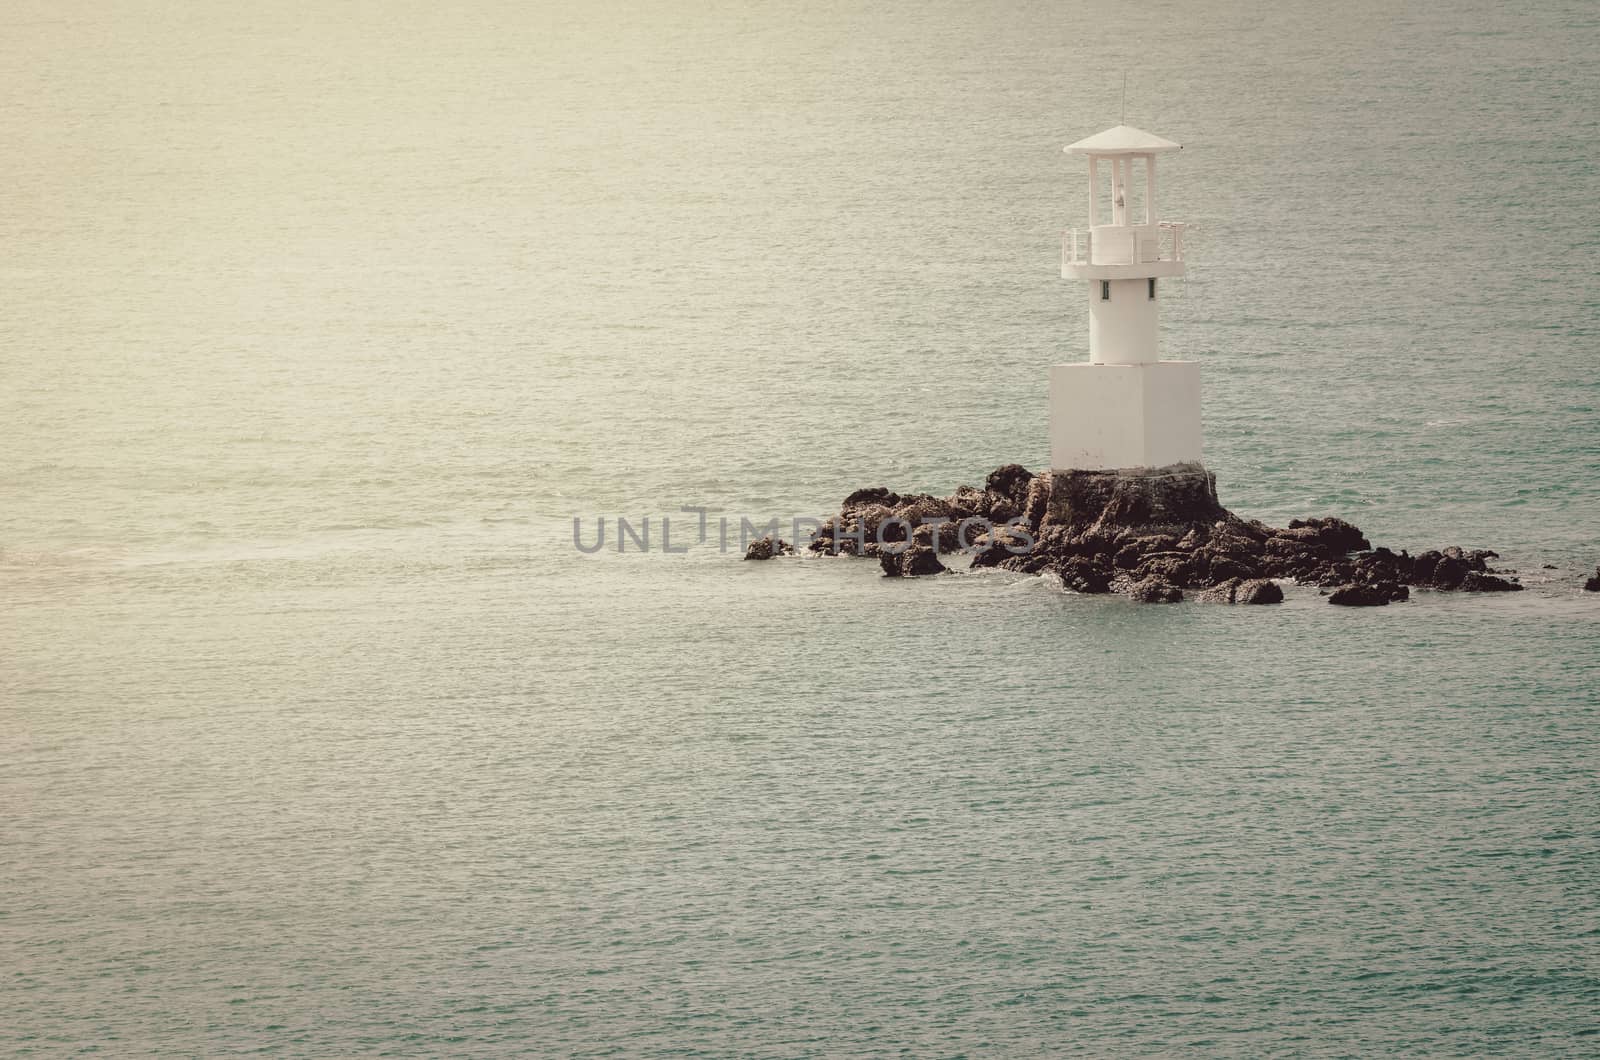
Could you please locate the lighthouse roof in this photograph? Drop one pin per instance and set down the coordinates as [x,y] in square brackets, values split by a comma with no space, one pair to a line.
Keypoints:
[1121,140]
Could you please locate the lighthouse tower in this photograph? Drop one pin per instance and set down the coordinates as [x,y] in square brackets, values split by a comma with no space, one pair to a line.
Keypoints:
[1126,408]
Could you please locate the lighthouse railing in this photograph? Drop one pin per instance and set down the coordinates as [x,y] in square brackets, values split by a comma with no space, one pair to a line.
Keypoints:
[1171,236]
[1077,246]
[1074,252]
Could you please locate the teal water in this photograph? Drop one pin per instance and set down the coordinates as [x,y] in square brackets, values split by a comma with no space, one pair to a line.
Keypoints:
[319,737]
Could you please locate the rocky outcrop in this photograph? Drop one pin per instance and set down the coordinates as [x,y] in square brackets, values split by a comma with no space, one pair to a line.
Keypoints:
[1244,591]
[913,562]
[1177,496]
[768,547]
[1151,534]
[1011,482]
[1151,589]
[1479,582]
[1367,594]
[1593,584]
[1082,576]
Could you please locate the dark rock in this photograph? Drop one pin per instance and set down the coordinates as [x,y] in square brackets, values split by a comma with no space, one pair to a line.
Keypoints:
[1011,482]
[1449,571]
[925,510]
[1479,582]
[1360,596]
[873,518]
[1083,575]
[767,547]
[1030,562]
[1153,590]
[874,495]
[1288,546]
[946,532]
[1244,591]
[922,506]
[853,531]
[1383,565]
[999,545]
[1301,566]
[1334,536]
[1422,567]
[1147,500]
[1149,532]
[966,502]
[919,561]
[990,553]
[836,537]
[1455,563]
[1036,502]
[1258,591]
[1176,568]
[1131,554]
[1214,567]
[1221,593]
[972,537]
[914,562]
[978,534]
[999,509]
[1333,575]
[840,546]
[1593,584]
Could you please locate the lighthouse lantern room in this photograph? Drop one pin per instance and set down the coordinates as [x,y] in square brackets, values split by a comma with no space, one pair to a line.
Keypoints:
[1125,408]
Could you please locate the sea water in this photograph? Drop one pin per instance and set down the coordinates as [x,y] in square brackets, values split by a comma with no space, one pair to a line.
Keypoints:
[321,325]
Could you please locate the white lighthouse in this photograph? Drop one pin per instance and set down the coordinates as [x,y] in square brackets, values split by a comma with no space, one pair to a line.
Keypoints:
[1126,408]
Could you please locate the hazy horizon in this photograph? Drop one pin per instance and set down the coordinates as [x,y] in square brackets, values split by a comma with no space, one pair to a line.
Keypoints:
[322,323]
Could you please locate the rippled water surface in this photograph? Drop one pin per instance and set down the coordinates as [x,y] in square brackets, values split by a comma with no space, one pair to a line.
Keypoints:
[319,738]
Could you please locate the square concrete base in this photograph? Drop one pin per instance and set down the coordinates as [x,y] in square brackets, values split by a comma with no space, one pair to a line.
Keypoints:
[1104,417]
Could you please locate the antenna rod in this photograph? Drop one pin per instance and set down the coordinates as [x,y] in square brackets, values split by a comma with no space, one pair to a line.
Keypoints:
[1124,119]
